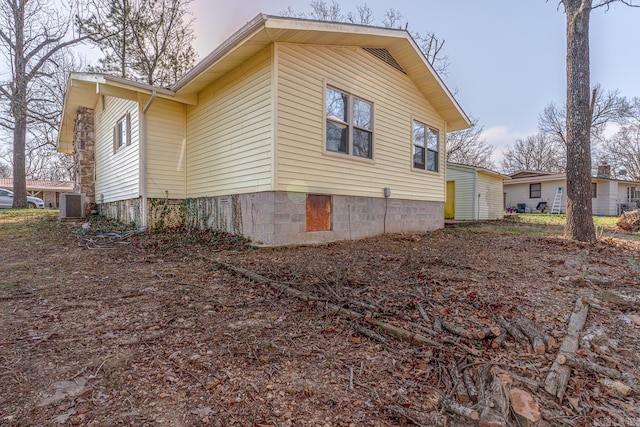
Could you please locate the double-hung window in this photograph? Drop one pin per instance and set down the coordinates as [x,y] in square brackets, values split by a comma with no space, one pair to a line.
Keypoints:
[535,191]
[425,147]
[349,124]
[122,132]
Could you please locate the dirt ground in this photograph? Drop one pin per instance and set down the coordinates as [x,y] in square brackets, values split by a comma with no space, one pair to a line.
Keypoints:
[152,329]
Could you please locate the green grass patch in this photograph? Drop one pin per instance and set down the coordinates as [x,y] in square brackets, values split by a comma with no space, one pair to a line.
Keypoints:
[561,219]
[25,222]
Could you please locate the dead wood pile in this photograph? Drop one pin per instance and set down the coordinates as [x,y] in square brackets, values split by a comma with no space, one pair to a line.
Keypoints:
[629,221]
[484,384]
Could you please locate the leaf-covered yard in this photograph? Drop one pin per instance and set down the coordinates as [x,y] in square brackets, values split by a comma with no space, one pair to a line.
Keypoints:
[190,328]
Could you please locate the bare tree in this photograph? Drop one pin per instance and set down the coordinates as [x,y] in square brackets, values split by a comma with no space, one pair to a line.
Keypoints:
[31,33]
[608,108]
[536,153]
[468,147]
[363,15]
[393,18]
[325,11]
[144,40]
[430,45]
[580,108]
[622,150]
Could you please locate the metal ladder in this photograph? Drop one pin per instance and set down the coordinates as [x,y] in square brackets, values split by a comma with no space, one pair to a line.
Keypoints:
[557,202]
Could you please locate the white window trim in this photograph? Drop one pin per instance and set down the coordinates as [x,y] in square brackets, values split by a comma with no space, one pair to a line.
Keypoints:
[116,134]
[350,155]
[412,148]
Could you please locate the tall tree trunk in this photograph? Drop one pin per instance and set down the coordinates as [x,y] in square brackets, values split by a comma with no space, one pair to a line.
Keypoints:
[19,111]
[579,224]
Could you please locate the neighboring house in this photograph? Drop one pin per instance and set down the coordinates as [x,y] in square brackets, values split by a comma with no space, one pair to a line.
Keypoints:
[609,196]
[292,131]
[49,191]
[474,193]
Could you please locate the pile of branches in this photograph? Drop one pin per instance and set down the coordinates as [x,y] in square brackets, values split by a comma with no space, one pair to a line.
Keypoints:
[481,386]
[629,221]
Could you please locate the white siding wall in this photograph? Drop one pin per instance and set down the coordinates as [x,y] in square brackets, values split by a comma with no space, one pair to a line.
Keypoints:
[464,197]
[229,133]
[519,193]
[166,149]
[605,202]
[117,174]
[303,73]
[491,197]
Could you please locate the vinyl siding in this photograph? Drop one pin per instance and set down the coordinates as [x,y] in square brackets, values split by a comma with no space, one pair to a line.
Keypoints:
[464,200]
[302,75]
[230,133]
[117,174]
[519,193]
[166,149]
[491,197]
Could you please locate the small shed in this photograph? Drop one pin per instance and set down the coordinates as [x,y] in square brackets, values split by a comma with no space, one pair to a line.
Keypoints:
[474,193]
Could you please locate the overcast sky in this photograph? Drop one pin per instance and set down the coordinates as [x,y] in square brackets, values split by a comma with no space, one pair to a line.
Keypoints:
[507,57]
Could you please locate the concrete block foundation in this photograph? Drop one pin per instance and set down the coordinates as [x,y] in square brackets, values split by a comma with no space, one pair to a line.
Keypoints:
[280,218]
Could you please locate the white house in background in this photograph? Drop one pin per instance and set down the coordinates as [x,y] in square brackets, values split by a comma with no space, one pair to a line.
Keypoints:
[474,193]
[49,191]
[610,196]
[291,131]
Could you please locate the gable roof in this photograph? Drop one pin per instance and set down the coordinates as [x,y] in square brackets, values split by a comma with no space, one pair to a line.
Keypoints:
[254,36]
[524,173]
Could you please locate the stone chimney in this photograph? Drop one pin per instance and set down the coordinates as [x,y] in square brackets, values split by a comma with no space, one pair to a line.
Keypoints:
[84,151]
[604,170]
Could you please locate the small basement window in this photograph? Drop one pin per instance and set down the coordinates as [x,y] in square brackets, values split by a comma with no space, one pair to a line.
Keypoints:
[318,216]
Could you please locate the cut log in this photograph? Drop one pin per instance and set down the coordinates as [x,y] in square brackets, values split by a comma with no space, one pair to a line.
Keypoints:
[511,329]
[472,390]
[458,384]
[532,385]
[494,403]
[533,332]
[558,377]
[587,365]
[458,409]
[616,388]
[524,406]
[457,330]
[491,332]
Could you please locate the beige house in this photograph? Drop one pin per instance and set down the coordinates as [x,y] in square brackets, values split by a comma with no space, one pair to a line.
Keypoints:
[474,193]
[609,196]
[291,131]
[49,191]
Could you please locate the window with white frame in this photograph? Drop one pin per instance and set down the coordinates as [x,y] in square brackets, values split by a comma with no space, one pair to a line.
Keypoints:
[349,124]
[425,147]
[535,191]
[122,132]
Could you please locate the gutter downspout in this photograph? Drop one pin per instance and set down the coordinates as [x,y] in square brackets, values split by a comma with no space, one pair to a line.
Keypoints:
[143,160]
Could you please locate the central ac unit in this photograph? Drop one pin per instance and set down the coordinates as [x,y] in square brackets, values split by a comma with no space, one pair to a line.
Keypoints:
[71,205]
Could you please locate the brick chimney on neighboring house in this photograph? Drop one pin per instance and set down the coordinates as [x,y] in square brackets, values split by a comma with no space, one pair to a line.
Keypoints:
[604,170]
